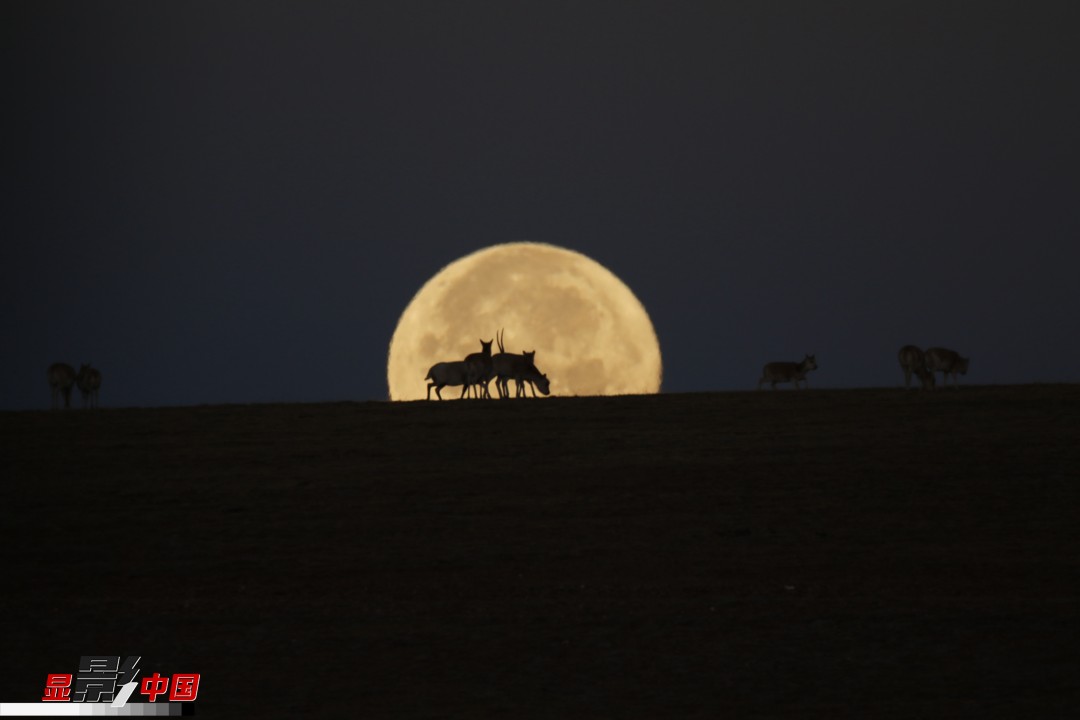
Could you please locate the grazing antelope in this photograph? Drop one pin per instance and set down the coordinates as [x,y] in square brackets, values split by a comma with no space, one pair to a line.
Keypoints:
[527,373]
[528,360]
[948,362]
[482,360]
[777,372]
[61,378]
[455,373]
[522,371]
[913,360]
[88,380]
[506,366]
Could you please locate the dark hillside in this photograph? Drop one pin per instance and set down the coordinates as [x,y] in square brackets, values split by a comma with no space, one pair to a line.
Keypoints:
[862,553]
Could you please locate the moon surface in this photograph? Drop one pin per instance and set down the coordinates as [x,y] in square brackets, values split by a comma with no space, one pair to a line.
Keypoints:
[591,335]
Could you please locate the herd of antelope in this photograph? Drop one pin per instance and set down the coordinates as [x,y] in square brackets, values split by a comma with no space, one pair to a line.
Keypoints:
[913,361]
[477,371]
[925,364]
[62,377]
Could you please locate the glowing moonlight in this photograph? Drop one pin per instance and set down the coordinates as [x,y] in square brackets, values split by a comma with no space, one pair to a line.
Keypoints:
[590,334]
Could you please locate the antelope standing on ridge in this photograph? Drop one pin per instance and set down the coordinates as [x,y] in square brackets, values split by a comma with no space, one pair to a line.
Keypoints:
[948,362]
[913,360]
[484,369]
[528,361]
[522,371]
[455,373]
[509,366]
[61,378]
[526,372]
[88,380]
[777,372]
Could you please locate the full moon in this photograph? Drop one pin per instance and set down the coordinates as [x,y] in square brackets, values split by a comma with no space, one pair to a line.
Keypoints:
[590,333]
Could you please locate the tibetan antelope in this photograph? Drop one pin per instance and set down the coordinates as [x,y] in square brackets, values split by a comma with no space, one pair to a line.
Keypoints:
[61,378]
[522,371]
[948,362]
[913,360]
[528,361]
[507,366]
[778,372]
[455,373]
[88,381]
[482,360]
[527,373]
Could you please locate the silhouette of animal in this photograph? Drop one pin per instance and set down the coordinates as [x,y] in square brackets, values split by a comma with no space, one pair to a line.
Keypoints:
[913,361]
[507,365]
[453,373]
[89,381]
[523,372]
[482,361]
[947,362]
[778,372]
[528,361]
[526,372]
[61,378]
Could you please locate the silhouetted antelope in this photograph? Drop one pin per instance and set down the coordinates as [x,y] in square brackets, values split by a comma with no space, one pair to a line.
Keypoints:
[948,362]
[522,371]
[454,373]
[913,360]
[777,372]
[505,365]
[528,360]
[89,381]
[482,360]
[527,373]
[61,378]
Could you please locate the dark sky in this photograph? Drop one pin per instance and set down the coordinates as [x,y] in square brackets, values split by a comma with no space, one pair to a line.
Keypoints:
[234,201]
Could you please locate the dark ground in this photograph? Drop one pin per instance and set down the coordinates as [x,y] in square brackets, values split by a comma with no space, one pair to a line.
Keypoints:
[851,553]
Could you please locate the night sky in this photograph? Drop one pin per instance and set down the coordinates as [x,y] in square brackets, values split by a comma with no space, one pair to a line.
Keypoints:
[234,201]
